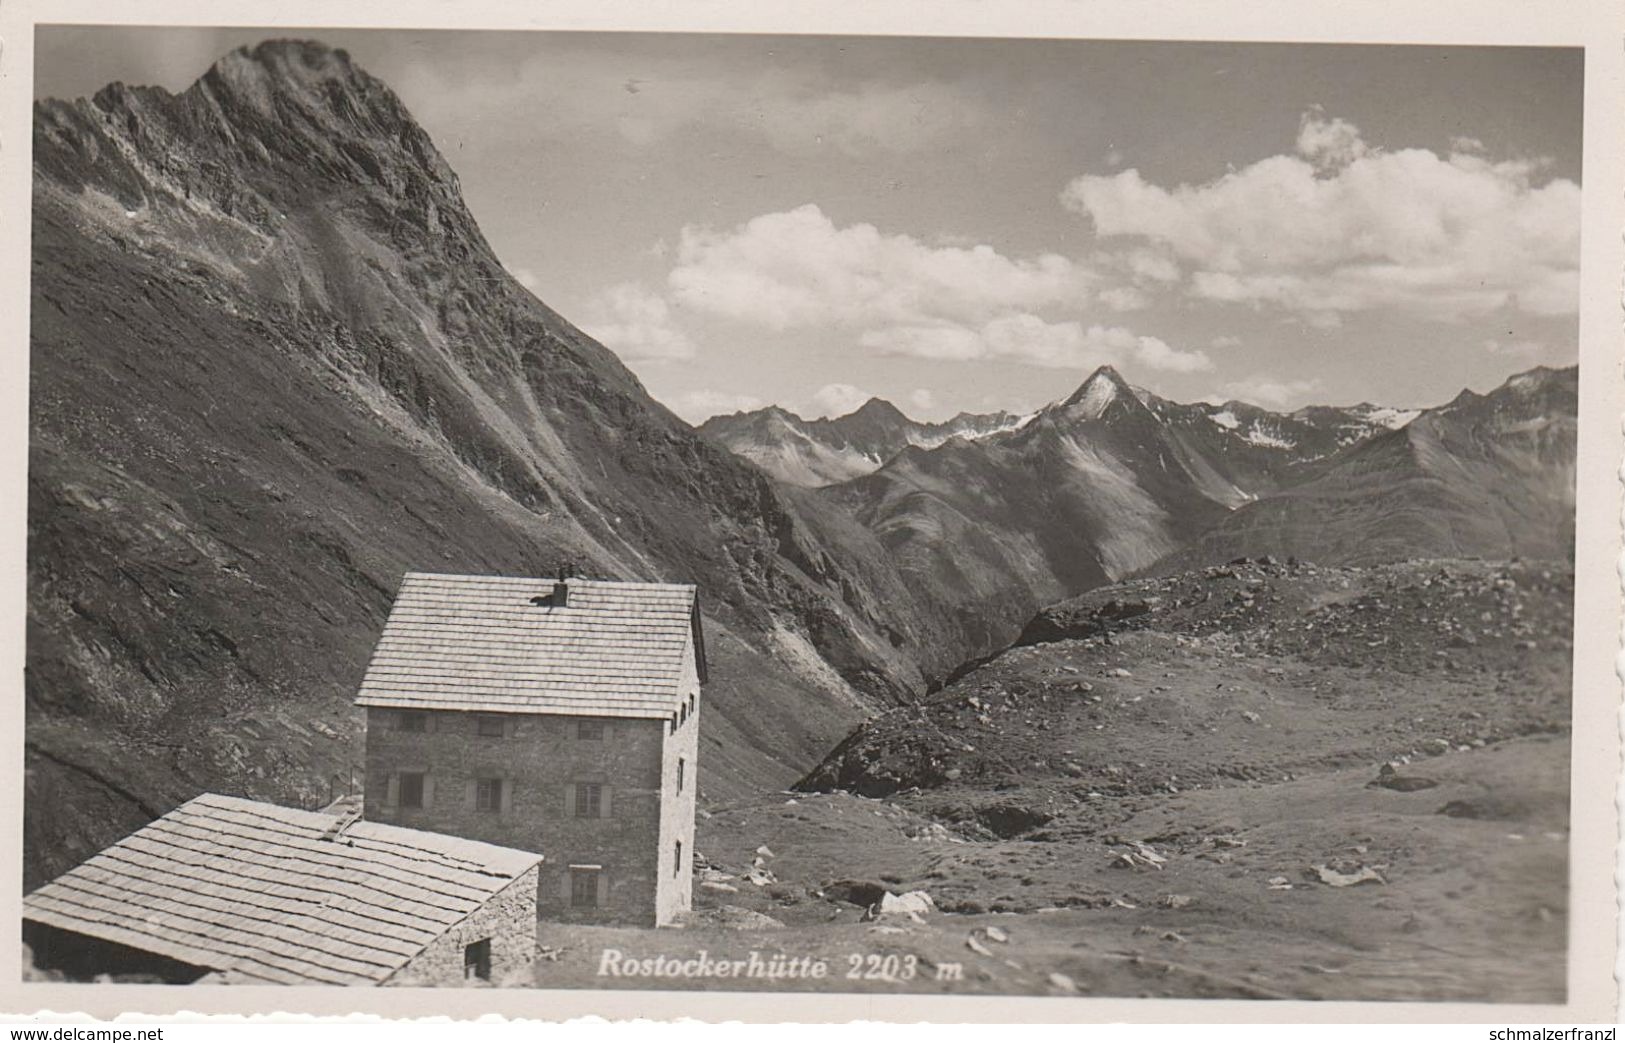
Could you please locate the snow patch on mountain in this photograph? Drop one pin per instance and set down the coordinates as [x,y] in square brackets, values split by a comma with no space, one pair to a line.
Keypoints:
[1100,392]
[1389,417]
[967,427]
[1258,435]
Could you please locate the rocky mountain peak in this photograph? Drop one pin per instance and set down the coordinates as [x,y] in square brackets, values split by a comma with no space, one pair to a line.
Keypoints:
[316,93]
[260,131]
[277,64]
[877,408]
[1105,380]
[1104,391]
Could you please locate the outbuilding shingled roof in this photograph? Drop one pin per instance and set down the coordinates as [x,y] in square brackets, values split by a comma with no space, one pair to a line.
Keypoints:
[254,892]
[499,645]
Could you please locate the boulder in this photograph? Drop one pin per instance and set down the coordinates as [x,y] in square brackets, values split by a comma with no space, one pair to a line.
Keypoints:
[858,892]
[913,906]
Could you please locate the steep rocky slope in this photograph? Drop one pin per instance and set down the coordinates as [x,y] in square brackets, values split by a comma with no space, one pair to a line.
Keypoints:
[815,453]
[1194,680]
[275,365]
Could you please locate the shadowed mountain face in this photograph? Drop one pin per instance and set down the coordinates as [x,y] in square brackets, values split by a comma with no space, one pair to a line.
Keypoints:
[815,453]
[1244,452]
[1088,490]
[1487,476]
[274,366]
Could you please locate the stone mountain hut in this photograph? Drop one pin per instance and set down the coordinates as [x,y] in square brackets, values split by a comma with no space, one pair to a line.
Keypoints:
[234,891]
[556,715]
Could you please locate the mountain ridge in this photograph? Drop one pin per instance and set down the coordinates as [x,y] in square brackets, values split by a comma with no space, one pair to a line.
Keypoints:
[1488,475]
[1109,483]
[275,365]
[825,451]
[1258,444]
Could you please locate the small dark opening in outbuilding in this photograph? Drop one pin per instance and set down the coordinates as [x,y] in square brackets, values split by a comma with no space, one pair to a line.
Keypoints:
[477,960]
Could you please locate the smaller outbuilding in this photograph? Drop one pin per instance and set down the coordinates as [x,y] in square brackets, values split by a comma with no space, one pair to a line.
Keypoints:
[227,890]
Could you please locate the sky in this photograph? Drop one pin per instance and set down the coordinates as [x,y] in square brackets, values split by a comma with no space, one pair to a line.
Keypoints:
[976,224]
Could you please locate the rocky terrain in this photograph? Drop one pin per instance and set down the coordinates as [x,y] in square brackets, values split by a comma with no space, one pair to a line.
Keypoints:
[1258,780]
[1210,893]
[1256,670]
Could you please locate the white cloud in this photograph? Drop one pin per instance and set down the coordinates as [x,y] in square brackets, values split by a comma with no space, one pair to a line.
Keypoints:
[1149,351]
[1147,265]
[526,278]
[1261,390]
[798,269]
[1329,143]
[1225,341]
[636,324]
[1343,227]
[697,406]
[1031,340]
[834,400]
[899,295]
[922,399]
[1124,298]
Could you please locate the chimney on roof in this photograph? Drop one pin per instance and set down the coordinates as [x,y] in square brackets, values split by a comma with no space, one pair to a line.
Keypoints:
[347,813]
[561,588]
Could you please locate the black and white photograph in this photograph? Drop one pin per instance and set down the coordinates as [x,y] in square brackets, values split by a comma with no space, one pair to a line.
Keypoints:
[1053,517]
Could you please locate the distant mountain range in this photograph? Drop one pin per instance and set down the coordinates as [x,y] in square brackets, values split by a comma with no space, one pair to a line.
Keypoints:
[1261,447]
[1113,480]
[814,453]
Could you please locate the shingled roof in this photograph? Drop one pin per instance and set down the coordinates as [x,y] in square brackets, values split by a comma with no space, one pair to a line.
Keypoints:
[266,894]
[501,645]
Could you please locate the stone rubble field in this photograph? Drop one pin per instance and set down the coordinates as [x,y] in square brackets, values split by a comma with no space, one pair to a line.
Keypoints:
[1264,780]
